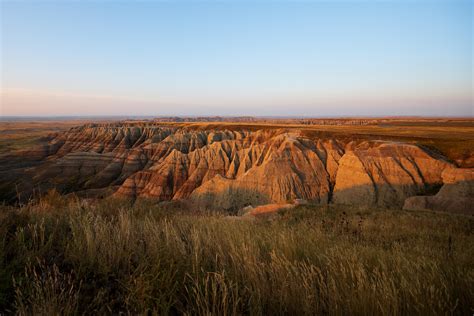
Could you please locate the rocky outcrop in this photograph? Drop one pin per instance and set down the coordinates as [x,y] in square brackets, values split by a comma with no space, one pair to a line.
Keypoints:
[231,168]
[385,174]
[456,194]
[288,168]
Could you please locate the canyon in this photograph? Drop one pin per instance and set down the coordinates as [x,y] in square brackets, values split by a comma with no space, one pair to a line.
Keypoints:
[231,166]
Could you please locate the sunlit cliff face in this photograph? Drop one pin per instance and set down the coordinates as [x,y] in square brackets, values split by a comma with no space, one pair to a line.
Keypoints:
[232,167]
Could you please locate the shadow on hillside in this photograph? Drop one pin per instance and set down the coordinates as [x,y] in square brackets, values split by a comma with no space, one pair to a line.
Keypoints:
[230,200]
[455,197]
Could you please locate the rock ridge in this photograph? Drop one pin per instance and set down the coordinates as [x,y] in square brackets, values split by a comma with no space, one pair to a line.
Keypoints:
[222,166]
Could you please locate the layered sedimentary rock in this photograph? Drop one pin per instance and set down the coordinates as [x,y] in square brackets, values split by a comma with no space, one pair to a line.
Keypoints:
[286,169]
[385,174]
[456,194]
[231,167]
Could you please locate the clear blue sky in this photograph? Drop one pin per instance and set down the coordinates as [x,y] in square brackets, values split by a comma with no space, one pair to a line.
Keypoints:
[315,58]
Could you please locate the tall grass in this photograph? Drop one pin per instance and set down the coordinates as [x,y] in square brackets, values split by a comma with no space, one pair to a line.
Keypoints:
[61,257]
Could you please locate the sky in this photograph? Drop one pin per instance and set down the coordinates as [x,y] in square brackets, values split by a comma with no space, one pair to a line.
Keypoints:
[279,58]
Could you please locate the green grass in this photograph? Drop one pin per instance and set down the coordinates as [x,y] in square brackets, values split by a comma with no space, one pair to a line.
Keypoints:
[69,257]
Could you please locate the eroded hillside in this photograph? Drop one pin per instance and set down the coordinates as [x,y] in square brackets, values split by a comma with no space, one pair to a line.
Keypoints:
[232,167]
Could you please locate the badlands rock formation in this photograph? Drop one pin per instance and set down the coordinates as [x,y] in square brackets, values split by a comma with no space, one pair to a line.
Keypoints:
[231,168]
[385,174]
[456,194]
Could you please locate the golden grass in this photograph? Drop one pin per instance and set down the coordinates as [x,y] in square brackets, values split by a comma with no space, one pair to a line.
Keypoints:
[24,134]
[112,257]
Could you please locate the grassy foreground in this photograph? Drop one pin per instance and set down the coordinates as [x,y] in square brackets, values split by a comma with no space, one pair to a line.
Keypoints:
[66,257]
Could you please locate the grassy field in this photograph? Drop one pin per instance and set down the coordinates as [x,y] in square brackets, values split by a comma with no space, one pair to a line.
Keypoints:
[16,135]
[63,256]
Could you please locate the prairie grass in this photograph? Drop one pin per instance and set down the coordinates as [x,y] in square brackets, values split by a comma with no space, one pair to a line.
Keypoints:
[70,257]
